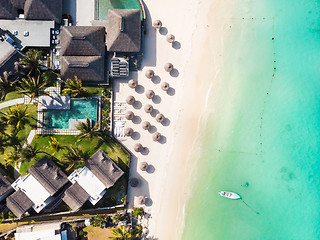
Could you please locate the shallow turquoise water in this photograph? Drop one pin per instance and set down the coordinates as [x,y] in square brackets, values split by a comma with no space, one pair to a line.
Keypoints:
[266,130]
[79,109]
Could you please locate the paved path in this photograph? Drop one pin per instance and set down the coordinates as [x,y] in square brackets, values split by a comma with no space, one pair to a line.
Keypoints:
[11,102]
[30,138]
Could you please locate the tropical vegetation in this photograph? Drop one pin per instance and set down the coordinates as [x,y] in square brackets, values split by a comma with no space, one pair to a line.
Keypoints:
[17,116]
[73,87]
[87,131]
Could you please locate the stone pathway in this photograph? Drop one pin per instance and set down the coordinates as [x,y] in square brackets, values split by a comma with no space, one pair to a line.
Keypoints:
[11,102]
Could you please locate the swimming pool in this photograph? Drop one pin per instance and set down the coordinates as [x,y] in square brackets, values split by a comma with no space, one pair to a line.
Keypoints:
[79,109]
[102,7]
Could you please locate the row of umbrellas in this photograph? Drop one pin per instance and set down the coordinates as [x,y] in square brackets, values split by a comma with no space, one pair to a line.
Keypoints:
[157,24]
[168,67]
[129,115]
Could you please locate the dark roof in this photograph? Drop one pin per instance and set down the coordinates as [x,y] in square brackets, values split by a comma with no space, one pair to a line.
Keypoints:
[5,185]
[75,196]
[83,41]
[48,174]
[19,4]
[124,30]
[7,63]
[104,168]
[7,11]
[19,203]
[43,10]
[86,68]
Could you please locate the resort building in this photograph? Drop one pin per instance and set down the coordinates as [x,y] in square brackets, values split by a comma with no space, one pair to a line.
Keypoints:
[5,186]
[83,53]
[90,182]
[37,189]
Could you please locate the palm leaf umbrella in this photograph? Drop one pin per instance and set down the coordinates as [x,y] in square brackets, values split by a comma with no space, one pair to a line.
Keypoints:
[130,100]
[157,24]
[160,117]
[150,94]
[156,136]
[165,86]
[128,131]
[129,115]
[141,200]
[148,108]
[171,38]
[133,83]
[138,147]
[168,67]
[144,166]
[146,125]
[149,73]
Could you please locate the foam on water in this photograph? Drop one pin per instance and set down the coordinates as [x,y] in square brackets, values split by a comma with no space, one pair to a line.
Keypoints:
[265,129]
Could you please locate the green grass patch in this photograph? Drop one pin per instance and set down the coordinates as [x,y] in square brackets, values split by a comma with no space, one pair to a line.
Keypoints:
[12,95]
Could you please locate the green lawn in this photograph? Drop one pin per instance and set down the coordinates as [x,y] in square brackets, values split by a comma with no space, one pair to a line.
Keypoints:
[12,95]
[22,135]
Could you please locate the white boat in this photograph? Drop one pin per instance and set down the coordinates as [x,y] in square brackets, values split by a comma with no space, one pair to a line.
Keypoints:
[230,195]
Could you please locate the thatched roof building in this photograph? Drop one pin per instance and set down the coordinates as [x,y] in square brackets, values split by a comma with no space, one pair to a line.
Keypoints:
[19,203]
[104,168]
[5,187]
[7,11]
[49,175]
[43,10]
[124,30]
[75,196]
[18,4]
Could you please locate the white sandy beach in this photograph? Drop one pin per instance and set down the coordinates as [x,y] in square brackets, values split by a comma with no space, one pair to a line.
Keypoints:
[173,158]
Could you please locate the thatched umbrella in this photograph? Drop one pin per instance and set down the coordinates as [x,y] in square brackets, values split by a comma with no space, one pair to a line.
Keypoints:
[149,73]
[144,166]
[133,83]
[165,86]
[159,117]
[146,125]
[170,38]
[148,108]
[157,24]
[168,67]
[156,136]
[150,94]
[129,115]
[141,200]
[138,147]
[128,131]
[130,100]
[134,182]
[16,66]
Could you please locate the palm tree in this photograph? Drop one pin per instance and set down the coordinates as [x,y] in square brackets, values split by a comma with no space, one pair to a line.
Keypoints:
[17,116]
[13,157]
[74,156]
[3,142]
[31,61]
[5,86]
[87,131]
[55,146]
[136,232]
[121,233]
[29,153]
[73,88]
[31,86]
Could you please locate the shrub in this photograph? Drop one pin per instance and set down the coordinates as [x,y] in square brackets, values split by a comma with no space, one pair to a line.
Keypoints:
[137,212]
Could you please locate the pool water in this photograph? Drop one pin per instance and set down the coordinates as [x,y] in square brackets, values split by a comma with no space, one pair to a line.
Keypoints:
[79,109]
[104,5]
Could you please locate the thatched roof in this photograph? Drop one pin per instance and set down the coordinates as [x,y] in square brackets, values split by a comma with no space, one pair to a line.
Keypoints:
[48,174]
[144,166]
[146,125]
[129,115]
[149,73]
[7,11]
[83,41]
[157,24]
[19,203]
[124,30]
[104,168]
[133,83]
[168,67]
[165,86]
[75,196]
[160,117]
[86,68]
[19,4]
[43,10]
[148,108]
[5,185]
[130,100]
[150,94]
[128,131]
[156,136]
[138,147]
[170,38]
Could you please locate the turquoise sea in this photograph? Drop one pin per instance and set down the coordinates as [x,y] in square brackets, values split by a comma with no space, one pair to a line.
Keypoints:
[263,129]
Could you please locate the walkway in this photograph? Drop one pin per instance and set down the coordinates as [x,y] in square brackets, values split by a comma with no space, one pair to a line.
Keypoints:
[11,102]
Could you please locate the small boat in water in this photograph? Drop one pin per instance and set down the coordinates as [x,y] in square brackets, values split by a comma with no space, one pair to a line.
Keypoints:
[230,195]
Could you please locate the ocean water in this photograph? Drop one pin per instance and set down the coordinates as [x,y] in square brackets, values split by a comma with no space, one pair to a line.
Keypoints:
[263,129]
